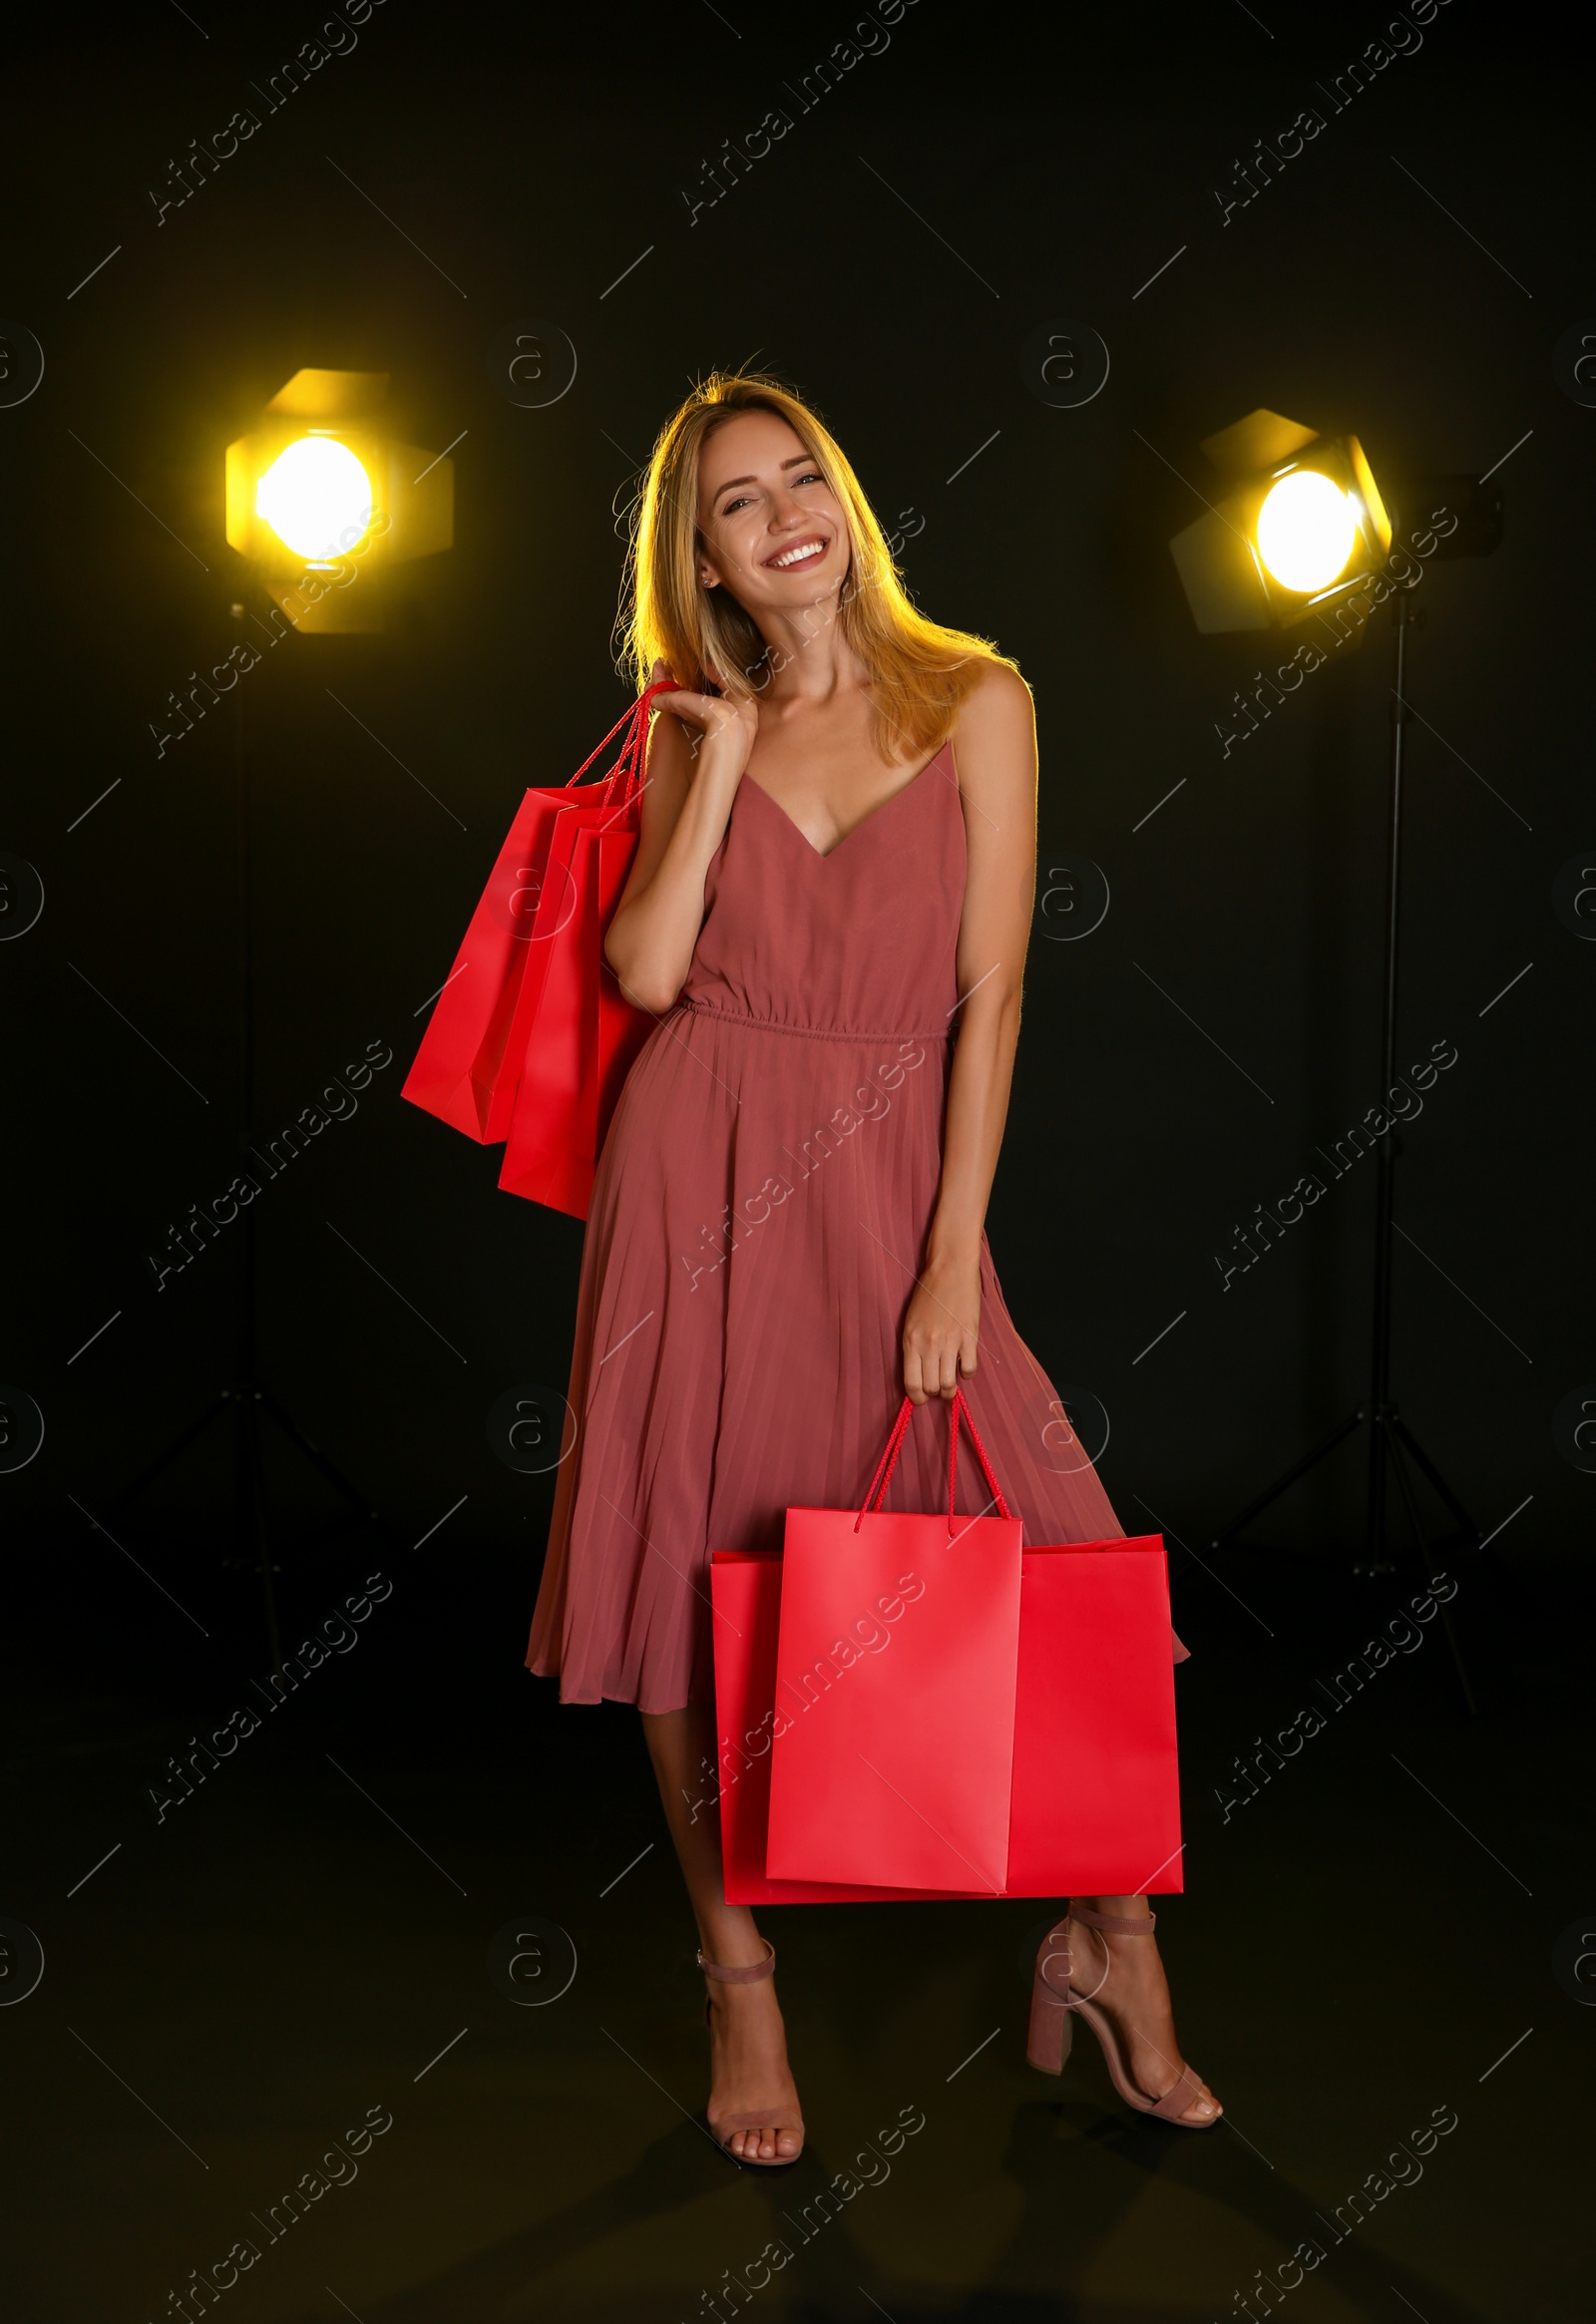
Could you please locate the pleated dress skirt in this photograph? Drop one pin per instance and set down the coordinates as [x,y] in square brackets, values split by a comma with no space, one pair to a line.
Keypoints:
[760,1216]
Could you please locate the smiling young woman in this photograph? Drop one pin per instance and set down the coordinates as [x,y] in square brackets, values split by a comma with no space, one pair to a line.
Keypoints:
[836,870]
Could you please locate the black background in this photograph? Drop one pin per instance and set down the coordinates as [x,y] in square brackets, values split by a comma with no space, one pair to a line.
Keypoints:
[990,170]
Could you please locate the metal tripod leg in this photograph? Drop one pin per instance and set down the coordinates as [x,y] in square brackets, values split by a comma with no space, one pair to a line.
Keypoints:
[1388,1426]
[1428,1469]
[1283,1483]
[178,1447]
[246,1405]
[249,1509]
[316,1458]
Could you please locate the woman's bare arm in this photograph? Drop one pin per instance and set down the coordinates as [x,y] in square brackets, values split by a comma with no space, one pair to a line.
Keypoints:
[686,803]
[995,752]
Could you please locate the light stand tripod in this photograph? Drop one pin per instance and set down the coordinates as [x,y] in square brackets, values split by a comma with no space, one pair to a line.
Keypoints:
[1392,1443]
[246,1401]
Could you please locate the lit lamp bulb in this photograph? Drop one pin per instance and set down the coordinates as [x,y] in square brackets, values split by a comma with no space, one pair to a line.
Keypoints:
[316,498]
[1305,530]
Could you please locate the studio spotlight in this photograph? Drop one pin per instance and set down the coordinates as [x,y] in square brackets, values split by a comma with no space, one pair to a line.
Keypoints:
[1306,531]
[1302,524]
[324,502]
[1300,527]
[314,491]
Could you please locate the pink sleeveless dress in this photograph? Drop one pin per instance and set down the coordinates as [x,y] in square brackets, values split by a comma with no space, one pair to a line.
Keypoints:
[759,1214]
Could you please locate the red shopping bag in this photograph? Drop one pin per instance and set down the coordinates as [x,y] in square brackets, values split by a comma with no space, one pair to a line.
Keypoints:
[896,1665]
[530,977]
[1095,1789]
[1094,1805]
[460,1071]
[575,1032]
[746,1590]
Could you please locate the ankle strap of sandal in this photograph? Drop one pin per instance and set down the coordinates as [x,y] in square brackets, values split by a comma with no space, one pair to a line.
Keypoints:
[1116,1924]
[760,1969]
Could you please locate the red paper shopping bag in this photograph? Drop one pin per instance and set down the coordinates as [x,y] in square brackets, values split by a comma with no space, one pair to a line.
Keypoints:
[747,1591]
[1094,1805]
[577,1033]
[530,988]
[896,1668]
[1096,1793]
[465,1071]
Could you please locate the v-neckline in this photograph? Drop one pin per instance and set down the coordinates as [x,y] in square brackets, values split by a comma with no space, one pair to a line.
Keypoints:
[824,855]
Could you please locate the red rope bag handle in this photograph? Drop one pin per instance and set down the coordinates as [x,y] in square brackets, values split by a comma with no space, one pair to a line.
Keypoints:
[958,1412]
[627,769]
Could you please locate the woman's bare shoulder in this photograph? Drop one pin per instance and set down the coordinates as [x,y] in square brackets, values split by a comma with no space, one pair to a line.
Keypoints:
[994,733]
[998,703]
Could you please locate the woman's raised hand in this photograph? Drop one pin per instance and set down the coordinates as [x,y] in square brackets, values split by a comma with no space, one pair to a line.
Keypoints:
[726,724]
[687,803]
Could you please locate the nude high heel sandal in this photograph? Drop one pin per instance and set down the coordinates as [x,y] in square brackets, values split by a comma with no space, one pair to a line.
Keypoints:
[729,2124]
[1055,2002]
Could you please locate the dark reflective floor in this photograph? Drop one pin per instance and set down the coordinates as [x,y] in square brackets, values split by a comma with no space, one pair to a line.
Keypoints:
[291,1961]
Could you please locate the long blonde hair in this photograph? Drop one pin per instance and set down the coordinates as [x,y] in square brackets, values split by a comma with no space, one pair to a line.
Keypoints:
[920,671]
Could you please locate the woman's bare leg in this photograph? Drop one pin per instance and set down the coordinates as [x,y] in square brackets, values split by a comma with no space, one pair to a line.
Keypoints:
[1136,1995]
[748,2044]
